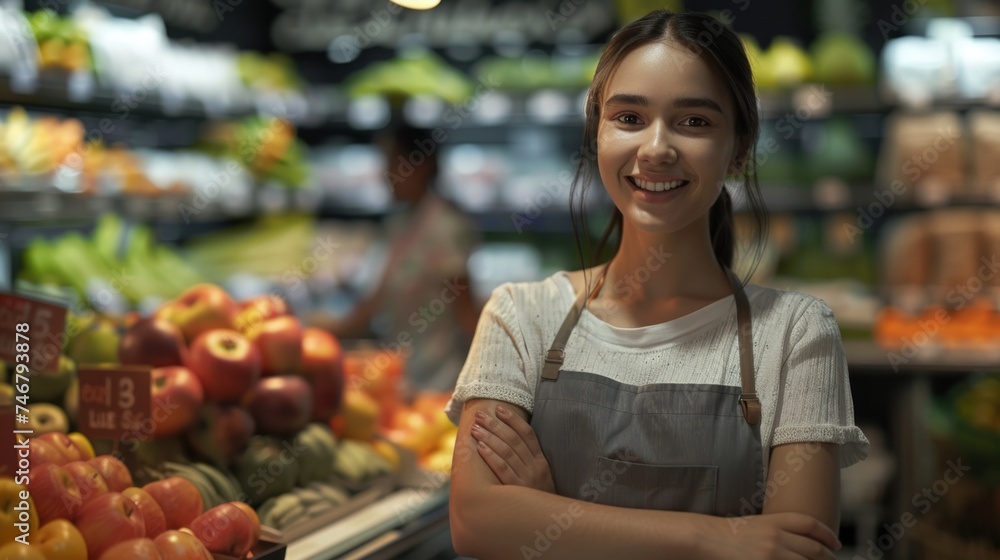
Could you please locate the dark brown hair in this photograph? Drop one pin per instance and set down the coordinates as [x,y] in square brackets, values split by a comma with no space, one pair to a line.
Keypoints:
[721,48]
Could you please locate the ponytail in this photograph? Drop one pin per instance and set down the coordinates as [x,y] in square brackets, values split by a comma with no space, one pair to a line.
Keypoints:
[722,230]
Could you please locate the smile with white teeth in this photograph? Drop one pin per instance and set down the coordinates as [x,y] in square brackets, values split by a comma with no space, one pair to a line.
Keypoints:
[656,187]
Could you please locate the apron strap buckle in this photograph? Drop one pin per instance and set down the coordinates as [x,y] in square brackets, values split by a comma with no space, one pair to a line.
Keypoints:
[553,360]
[751,408]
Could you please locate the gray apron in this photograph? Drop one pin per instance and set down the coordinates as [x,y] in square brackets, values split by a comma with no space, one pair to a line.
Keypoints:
[684,447]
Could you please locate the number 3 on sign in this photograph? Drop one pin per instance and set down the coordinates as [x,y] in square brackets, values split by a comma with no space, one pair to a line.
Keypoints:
[126,393]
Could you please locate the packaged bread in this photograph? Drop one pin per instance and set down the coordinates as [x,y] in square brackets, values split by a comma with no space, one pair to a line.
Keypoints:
[922,157]
[984,132]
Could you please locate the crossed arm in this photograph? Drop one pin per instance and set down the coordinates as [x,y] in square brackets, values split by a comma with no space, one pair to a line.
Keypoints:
[502,505]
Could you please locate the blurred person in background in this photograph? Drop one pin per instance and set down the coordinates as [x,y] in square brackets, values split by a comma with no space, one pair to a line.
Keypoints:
[422,300]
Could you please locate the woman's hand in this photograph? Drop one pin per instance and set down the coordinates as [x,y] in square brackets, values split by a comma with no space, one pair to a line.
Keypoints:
[774,536]
[509,446]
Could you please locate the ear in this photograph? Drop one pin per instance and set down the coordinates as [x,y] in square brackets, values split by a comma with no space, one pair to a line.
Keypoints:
[740,157]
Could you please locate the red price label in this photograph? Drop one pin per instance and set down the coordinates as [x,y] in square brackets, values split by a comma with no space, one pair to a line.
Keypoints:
[42,338]
[115,403]
[8,455]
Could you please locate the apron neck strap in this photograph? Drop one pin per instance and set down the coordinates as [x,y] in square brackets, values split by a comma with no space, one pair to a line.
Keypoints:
[554,357]
[748,399]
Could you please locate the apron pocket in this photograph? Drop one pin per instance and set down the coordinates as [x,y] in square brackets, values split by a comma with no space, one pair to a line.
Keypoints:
[690,488]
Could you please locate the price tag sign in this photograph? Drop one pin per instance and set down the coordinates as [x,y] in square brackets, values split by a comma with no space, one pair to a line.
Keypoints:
[39,344]
[8,454]
[115,403]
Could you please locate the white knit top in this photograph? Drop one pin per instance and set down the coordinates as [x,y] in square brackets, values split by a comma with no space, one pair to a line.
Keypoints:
[801,370]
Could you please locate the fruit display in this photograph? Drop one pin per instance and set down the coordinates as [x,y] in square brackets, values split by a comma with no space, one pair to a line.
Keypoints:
[278,243]
[424,428]
[834,58]
[61,42]
[272,72]
[537,71]
[422,74]
[83,506]
[31,147]
[99,274]
[265,146]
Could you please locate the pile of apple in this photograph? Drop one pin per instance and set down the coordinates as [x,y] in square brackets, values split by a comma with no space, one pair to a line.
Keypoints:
[88,507]
[224,371]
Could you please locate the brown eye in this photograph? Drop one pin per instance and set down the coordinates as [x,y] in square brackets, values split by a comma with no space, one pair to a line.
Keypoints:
[628,119]
[696,121]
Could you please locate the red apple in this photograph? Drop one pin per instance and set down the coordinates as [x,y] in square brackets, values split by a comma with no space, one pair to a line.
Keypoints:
[108,520]
[177,398]
[180,545]
[259,309]
[225,529]
[323,365]
[54,492]
[280,343]
[41,452]
[152,514]
[221,433]
[60,540]
[87,479]
[226,363]
[179,500]
[280,405]
[133,549]
[200,308]
[154,342]
[64,444]
[116,475]
[252,515]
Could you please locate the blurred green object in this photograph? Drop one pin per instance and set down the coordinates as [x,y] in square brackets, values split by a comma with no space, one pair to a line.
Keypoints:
[422,74]
[842,59]
[839,153]
[969,417]
[273,72]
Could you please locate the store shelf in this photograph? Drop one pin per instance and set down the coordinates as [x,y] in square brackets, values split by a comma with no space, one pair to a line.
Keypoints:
[373,529]
[870,357]
[80,92]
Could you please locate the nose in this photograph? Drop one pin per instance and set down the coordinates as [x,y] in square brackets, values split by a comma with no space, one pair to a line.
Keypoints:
[656,147]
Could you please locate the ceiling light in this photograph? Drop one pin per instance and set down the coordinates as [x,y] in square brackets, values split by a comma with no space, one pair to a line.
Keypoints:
[417,4]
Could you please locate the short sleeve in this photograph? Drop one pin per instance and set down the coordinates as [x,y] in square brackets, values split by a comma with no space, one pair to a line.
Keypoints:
[814,399]
[495,366]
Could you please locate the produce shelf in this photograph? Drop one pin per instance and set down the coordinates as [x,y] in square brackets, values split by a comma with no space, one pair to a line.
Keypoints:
[870,357]
[365,533]
[81,93]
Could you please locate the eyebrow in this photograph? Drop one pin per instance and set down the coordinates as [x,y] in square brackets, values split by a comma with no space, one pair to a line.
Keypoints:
[682,103]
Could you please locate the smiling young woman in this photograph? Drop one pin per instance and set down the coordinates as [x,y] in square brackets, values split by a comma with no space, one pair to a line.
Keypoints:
[653,405]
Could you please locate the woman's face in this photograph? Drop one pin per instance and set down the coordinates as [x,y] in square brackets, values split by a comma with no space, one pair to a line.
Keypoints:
[665,138]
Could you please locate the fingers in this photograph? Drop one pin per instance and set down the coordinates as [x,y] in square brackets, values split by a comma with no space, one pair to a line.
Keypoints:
[506,434]
[807,547]
[496,463]
[494,450]
[809,526]
[522,428]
